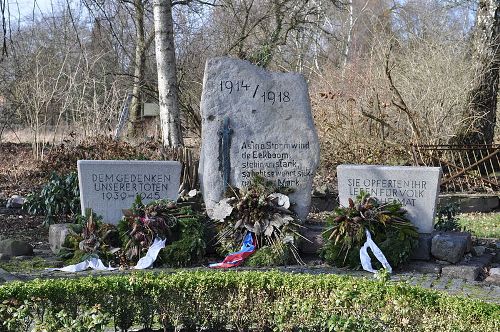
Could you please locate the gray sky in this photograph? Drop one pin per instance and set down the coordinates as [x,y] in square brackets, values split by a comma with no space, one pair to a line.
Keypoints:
[26,7]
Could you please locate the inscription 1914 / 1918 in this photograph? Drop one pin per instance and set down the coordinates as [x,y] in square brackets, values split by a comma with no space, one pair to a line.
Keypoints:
[269,96]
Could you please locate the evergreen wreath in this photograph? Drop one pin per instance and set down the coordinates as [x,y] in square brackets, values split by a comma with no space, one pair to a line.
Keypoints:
[264,210]
[183,228]
[387,222]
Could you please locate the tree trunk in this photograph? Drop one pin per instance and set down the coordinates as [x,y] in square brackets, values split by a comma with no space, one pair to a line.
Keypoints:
[134,124]
[167,78]
[348,41]
[480,115]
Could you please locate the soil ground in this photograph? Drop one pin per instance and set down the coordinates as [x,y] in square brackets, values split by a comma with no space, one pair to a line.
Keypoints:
[16,223]
[18,176]
[18,170]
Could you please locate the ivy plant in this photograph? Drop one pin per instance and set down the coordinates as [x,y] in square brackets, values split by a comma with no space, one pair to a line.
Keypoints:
[60,197]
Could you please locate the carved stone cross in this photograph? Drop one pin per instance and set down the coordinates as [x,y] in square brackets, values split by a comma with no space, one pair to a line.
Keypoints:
[224,151]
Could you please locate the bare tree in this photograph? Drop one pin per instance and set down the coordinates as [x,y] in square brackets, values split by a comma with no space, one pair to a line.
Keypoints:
[259,30]
[479,121]
[58,83]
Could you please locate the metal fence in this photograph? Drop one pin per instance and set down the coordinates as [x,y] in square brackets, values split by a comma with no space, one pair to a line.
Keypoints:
[466,168]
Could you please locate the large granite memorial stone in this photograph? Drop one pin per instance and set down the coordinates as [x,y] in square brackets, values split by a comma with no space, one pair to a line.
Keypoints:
[416,188]
[109,186]
[256,122]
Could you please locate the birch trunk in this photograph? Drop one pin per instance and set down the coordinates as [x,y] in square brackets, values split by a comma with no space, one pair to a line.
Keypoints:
[134,123]
[348,37]
[167,79]
[480,114]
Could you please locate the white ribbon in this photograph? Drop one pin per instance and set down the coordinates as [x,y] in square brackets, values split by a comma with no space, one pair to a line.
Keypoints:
[366,262]
[96,264]
[151,255]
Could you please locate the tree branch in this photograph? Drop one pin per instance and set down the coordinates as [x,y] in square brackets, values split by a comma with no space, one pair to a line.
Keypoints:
[399,102]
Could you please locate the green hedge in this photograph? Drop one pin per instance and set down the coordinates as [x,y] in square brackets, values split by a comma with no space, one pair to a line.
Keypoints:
[240,301]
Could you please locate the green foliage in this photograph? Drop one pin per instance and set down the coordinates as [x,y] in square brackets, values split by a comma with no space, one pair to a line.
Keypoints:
[250,301]
[124,244]
[383,275]
[92,238]
[269,256]
[447,219]
[22,319]
[259,208]
[92,319]
[143,223]
[60,197]
[190,247]
[391,231]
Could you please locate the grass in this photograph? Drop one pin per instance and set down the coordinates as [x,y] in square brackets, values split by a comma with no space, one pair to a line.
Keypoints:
[484,225]
[27,265]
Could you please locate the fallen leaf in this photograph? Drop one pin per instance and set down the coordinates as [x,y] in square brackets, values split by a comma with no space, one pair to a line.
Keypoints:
[222,210]
[282,200]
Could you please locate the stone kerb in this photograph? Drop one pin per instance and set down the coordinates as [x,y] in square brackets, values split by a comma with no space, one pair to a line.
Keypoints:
[416,188]
[269,131]
[109,186]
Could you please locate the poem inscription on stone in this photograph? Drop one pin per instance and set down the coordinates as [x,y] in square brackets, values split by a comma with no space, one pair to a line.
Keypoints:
[108,186]
[270,130]
[415,188]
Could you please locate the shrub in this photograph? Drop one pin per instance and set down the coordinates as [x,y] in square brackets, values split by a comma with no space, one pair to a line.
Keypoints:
[447,218]
[268,256]
[143,223]
[92,238]
[60,197]
[243,301]
[391,231]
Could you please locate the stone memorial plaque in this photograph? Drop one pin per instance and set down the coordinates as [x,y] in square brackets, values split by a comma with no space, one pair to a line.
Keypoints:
[108,186]
[416,188]
[256,121]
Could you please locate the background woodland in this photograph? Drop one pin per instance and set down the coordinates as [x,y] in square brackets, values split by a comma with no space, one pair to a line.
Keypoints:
[383,74]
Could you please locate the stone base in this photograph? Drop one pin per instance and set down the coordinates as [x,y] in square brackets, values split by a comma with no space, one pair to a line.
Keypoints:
[322,203]
[7,277]
[467,272]
[13,247]
[57,236]
[423,250]
[470,270]
[314,234]
[471,203]
[4,257]
[451,246]
[422,267]
[494,277]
